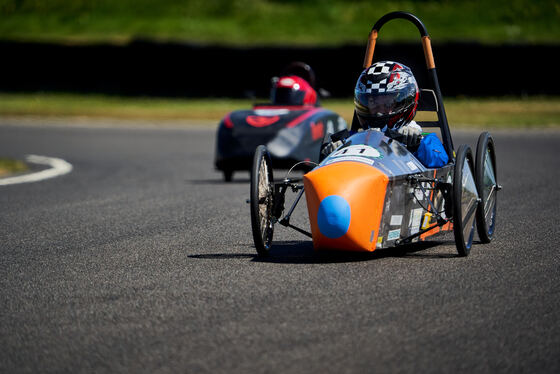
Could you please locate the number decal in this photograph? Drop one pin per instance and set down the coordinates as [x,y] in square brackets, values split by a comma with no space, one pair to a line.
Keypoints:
[358,150]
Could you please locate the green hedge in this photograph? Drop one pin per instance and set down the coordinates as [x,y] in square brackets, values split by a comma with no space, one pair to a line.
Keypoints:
[250,22]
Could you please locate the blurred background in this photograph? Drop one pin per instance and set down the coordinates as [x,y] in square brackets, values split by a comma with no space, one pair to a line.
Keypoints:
[201,58]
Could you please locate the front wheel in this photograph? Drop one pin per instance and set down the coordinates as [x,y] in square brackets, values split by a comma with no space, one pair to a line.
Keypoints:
[262,201]
[465,200]
[487,185]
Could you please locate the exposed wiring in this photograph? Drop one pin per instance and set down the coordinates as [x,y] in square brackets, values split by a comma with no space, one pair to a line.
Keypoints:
[437,213]
[299,163]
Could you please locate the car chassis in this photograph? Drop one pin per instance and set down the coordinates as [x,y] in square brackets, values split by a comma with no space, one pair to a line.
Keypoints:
[417,202]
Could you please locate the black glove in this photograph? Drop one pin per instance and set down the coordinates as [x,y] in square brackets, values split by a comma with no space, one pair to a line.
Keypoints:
[336,140]
[328,148]
[412,141]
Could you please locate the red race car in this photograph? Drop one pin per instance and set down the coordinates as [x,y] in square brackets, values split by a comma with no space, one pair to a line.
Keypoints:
[292,126]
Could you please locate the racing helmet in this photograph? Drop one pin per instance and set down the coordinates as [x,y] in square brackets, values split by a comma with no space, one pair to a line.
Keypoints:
[293,90]
[386,94]
[302,70]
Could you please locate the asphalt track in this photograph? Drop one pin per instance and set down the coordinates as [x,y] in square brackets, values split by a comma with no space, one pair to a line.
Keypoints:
[141,260]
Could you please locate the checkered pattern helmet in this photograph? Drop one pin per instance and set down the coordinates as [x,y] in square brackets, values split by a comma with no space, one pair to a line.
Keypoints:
[293,90]
[386,94]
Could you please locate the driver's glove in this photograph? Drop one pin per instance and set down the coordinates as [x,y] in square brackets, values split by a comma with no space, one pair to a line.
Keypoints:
[411,134]
[335,141]
[329,147]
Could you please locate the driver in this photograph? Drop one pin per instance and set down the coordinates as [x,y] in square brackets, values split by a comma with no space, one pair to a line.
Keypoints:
[386,98]
[292,90]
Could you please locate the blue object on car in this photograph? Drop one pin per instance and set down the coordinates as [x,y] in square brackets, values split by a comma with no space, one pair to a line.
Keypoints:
[431,152]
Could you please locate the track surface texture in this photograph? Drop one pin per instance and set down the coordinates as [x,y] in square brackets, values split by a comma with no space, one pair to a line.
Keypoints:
[141,260]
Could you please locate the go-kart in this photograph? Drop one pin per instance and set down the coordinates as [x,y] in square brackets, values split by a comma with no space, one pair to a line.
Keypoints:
[292,133]
[373,193]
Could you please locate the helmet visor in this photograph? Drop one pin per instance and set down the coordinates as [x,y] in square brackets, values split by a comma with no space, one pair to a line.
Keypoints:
[385,104]
[287,96]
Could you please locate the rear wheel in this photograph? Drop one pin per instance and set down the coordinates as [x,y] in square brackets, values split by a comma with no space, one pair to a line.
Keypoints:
[262,201]
[465,200]
[487,186]
[228,175]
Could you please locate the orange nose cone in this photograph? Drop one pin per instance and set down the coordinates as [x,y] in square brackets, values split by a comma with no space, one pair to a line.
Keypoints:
[345,204]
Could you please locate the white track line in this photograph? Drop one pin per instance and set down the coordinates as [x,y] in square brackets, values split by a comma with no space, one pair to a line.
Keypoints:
[57,167]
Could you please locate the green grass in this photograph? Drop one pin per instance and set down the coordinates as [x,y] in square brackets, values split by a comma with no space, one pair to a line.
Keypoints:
[91,105]
[531,112]
[505,112]
[10,166]
[273,22]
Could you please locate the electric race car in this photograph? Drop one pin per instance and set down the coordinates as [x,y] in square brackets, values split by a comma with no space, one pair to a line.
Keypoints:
[292,127]
[373,193]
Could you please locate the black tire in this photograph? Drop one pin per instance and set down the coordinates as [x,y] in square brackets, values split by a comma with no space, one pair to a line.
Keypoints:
[228,175]
[262,201]
[465,200]
[487,186]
